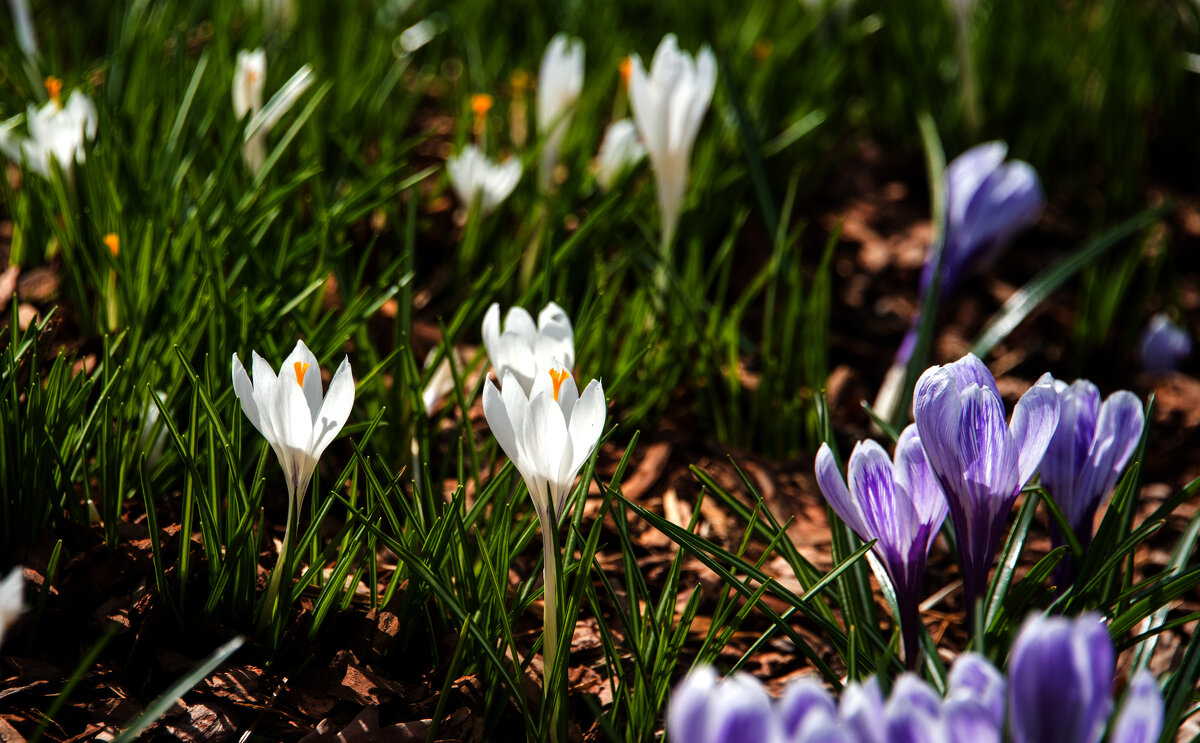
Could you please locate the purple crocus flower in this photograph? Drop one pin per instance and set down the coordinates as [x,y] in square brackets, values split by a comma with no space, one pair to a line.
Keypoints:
[988,203]
[981,462]
[899,504]
[1141,717]
[1163,345]
[1060,680]
[1087,454]
[974,707]
[704,709]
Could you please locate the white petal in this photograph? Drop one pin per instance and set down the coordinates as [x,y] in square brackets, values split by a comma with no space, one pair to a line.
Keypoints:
[587,423]
[500,423]
[310,382]
[334,410]
[546,441]
[490,331]
[244,390]
[264,395]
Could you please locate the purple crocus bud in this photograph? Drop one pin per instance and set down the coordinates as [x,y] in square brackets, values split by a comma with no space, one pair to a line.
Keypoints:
[1141,717]
[861,712]
[988,203]
[805,708]
[976,679]
[1060,680]
[1164,344]
[736,710]
[1087,454]
[899,504]
[981,462]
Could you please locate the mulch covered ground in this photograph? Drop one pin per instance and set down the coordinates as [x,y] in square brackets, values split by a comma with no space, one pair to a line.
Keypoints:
[348,686]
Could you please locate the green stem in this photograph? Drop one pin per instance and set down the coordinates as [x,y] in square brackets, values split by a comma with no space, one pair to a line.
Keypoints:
[550,617]
[271,597]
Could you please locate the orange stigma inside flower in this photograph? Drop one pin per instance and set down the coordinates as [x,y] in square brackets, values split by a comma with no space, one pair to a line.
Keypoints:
[113,242]
[54,89]
[626,69]
[559,376]
[301,368]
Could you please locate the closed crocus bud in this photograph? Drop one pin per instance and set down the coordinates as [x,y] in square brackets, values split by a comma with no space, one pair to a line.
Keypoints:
[525,349]
[861,712]
[1060,680]
[1163,345]
[988,203]
[560,81]
[1089,450]
[12,599]
[913,713]
[806,709]
[704,709]
[669,105]
[981,461]
[899,504]
[476,179]
[619,152]
[1141,717]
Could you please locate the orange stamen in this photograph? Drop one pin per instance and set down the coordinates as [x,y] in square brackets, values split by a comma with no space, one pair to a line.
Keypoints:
[113,242]
[481,103]
[559,376]
[519,81]
[763,49]
[301,368]
[54,89]
[626,69]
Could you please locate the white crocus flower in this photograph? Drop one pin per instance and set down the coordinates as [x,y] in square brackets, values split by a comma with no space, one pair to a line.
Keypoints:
[474,176]
[442,381]
[547,436]
[249,81]
[12,599]
[56,132]
[619,152]
[290,411]
[560,81]
[527,350]
[669,105]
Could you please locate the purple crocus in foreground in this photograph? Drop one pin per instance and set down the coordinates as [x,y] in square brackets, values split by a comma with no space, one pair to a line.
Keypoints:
[1060,680]
[1141,717]
[1164,344]
[901,505]
[981,462]
[704,709]
[1087,454]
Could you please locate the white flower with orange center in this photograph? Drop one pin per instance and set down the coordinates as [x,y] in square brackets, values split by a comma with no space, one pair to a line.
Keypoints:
[527,349]
[290,411]
[56,132]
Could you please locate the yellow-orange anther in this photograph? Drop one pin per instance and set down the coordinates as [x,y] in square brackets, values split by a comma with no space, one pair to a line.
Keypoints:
[54,89]
[301,368]
[520,81]
[481,103]
[113,242]
[763,49]
[559,376]
[626,69]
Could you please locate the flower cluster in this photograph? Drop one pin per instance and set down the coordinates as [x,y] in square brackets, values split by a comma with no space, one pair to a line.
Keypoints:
[1058,690]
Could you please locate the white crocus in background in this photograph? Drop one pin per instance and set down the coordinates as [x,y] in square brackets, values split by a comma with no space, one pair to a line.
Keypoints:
[669,105]
[23,27]
[527,350]
[56,132]
[12,599]
[547,435]
[297,421]
[619,152]
[474,176]
[560,81]
[249,81]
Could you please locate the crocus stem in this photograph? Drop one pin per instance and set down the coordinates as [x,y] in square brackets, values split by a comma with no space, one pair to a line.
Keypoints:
[910,623]
[269,600]
[550,617]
